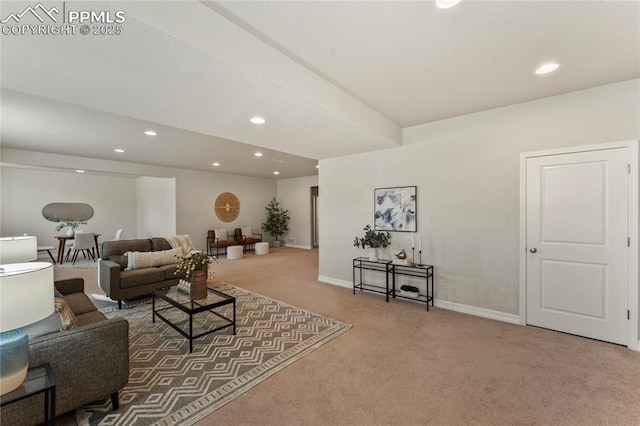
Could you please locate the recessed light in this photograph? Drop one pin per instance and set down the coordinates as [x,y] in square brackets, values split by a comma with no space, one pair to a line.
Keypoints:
[276,172]
[258,120]
[79,171]
[150,133]
[447,4]
[119,150]
[216,164]
[547,68]
[257,154]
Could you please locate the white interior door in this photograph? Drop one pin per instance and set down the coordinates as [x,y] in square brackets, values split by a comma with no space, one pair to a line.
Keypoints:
[577,248]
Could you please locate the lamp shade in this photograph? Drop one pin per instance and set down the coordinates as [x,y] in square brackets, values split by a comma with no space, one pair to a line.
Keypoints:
[18,249]
[26,294]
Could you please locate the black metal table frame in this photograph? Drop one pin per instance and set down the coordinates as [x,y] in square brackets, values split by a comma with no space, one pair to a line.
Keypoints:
[388,267]
[49,395]
[363,263]
[191,312]
[419,271]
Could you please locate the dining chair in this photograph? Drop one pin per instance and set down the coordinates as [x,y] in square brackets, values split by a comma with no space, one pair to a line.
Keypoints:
[83,242]
[69,246]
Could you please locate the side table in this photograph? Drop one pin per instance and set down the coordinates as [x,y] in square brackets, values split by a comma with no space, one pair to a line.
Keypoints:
[39,380]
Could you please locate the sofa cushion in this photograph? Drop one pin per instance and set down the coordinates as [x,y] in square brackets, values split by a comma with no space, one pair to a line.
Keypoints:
[119,248]
[139,277]
[140,260]
[158,244]
[90,318]
[169,272]
[221,234]
[247,231]
[79,303]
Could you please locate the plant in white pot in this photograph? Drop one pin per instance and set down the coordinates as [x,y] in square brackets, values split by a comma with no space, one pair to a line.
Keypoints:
[70,224]
[373,240]
[277,222]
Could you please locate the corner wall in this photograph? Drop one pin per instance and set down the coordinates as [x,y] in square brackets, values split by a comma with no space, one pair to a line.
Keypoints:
[467,172]
[295,195]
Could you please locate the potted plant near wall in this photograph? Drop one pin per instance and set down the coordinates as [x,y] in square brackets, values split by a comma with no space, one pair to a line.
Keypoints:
[71,225]
[372,240]
[277,222]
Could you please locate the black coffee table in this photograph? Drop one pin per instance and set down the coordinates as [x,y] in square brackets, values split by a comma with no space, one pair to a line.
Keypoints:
[193,318]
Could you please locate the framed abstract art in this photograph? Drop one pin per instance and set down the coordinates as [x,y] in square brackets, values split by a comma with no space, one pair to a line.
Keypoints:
[395,209]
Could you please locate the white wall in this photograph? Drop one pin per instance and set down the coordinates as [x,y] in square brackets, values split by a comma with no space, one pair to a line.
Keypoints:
[467,173]
[295,195]
[195,193]
[24,192]
[156,207]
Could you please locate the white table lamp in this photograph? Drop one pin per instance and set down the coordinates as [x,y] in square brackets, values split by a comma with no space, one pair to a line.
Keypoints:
[26,296]
[18,249]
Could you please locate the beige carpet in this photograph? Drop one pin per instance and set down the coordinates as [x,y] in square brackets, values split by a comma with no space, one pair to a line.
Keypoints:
[402,365]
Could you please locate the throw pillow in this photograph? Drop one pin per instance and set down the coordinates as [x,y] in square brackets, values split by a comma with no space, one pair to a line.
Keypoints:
[247,232]
[221,234]
[67,317]
[148,259]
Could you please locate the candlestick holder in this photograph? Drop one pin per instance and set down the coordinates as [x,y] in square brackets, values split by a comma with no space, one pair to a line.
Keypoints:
[413,255]
[420,257]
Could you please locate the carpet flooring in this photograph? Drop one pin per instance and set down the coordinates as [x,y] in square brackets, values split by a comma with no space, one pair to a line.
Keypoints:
[401,365]
[170,386]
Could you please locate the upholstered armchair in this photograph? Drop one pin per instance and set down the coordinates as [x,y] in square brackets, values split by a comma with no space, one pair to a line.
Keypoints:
[216,241]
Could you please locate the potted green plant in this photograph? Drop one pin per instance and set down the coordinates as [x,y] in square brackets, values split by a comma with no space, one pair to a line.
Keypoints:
[71,224]
[277,222]
[372,239]
[409,291]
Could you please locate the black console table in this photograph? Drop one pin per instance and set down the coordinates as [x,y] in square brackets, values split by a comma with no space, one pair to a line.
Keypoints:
[391,270]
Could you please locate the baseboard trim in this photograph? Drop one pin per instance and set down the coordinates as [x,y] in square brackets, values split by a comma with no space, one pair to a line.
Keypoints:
[443,304]
[298,246]
[480,312]
[335,281]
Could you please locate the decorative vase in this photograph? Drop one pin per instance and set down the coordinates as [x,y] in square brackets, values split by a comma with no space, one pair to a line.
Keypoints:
[198,284]
[373,254]
[70,231]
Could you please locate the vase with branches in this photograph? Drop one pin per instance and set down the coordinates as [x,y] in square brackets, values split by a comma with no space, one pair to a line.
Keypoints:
[71,224]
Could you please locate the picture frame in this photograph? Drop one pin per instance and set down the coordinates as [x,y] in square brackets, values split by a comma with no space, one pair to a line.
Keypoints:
[395,209]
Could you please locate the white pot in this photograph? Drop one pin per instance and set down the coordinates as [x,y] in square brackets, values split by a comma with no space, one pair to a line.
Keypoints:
[276,243]
[70,231]
[373,254]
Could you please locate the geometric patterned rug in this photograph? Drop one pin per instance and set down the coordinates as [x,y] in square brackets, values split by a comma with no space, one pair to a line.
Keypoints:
[170,386]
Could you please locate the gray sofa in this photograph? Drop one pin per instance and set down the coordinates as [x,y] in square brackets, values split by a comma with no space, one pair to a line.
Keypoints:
[119,283]
[89,363]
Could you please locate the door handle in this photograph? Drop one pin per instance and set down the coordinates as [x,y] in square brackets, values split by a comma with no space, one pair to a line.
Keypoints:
[533,250]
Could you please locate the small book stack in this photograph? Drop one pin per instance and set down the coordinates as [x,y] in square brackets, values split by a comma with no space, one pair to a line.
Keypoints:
[404,262]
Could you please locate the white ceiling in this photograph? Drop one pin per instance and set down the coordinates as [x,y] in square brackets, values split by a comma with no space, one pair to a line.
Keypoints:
[331,78]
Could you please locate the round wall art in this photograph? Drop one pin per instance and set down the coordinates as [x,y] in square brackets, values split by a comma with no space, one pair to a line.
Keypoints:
[227,207]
